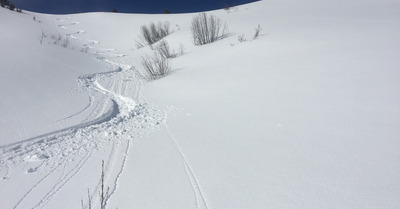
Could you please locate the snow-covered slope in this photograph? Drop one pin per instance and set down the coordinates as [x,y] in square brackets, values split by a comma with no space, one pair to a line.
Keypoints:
[305,116]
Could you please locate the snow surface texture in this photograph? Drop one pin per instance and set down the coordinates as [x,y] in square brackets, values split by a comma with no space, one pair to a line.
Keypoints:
[305,116]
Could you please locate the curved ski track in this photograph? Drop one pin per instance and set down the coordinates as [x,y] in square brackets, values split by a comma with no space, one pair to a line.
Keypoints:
[115,116]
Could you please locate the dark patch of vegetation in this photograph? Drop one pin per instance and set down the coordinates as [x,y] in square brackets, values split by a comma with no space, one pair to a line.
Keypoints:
[207,29]
[152,33]
[9,5]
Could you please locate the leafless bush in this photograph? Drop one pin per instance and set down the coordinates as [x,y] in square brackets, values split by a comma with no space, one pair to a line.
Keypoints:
[140,43]
[241,38]
[85,49]
[89,201]
[153,33]
[207,29]
[163,49]
[227,7]
[257,33]
[164,29]
[103,193]
[42,37]
[155,67]
[56,39]
[146,34]
[65,43]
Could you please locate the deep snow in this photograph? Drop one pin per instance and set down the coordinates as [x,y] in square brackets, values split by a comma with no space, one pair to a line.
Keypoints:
[305,116]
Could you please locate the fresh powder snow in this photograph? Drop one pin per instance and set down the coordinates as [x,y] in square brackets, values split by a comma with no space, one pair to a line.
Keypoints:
[307,115]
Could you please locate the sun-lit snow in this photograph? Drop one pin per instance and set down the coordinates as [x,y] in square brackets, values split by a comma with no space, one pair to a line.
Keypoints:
[304,116]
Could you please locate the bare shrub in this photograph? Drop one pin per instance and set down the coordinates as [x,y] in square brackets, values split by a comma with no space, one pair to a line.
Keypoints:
[140,43]
[89,201]
[164,29]
[103,193]
[163,49]
[85,49]
[146,34]
[207,29]
[155,67]
[241,38]
[227,7]
[257,33]
[56,39]
[65,43]
[153,33]
[42,37]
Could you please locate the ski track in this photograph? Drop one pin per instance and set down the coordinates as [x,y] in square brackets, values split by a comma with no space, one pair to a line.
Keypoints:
[189,172]
[63,181]
[79,112]
[121,170]
[114,116]
[35,186]
[108,167]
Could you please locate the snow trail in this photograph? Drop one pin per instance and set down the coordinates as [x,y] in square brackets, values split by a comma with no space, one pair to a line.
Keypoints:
[189,172]
[35,186]
[116,115]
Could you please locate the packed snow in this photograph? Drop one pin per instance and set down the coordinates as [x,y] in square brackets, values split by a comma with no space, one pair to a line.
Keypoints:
[307,115]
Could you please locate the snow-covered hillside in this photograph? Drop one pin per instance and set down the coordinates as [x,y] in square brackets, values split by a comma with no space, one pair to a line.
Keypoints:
[304,116]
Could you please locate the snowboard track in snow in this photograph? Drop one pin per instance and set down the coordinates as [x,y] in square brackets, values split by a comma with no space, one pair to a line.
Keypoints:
[115,117]
[194,182]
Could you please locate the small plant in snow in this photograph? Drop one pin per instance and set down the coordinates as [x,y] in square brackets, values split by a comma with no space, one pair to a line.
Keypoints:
[152,33]
[257,33]
[89,203]
[85,49]
[140,43]
[65,43]
[155,67]
[241,38]
[227,7]
[8,4]
[42,37]
[207,29]
[163,49]
[56,39]
[104,193]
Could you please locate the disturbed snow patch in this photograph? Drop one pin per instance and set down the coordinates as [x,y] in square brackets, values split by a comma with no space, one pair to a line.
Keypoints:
[116,114]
